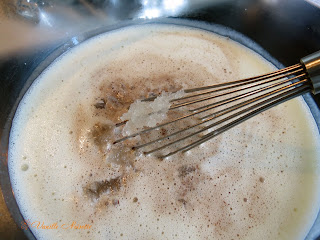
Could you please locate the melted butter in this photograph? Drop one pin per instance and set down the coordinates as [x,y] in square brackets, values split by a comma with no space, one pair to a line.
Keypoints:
[258,180]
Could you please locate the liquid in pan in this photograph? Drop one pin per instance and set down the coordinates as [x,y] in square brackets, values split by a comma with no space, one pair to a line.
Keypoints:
[258,180]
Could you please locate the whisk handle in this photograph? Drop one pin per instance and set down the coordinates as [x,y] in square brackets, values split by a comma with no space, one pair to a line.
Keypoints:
[312,65]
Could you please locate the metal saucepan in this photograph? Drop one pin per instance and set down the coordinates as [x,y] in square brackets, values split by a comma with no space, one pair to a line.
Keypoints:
[33,33]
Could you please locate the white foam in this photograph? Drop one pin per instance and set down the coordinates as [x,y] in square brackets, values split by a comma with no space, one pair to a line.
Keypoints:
[148,113]
[258,180]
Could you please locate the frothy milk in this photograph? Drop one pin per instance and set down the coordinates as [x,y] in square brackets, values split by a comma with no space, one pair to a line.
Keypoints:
[256,181]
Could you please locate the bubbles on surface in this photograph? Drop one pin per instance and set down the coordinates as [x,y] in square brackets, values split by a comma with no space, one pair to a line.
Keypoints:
[24,167]
[239,185]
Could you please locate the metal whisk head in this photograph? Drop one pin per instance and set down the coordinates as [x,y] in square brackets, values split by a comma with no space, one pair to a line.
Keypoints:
[206,112]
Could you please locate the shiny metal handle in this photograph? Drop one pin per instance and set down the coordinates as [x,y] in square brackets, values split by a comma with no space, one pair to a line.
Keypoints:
[312,65]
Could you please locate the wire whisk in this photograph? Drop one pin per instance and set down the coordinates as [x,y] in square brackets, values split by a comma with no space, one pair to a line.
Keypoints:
[205,112]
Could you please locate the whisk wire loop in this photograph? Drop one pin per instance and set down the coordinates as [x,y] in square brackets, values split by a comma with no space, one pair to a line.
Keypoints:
[233,103]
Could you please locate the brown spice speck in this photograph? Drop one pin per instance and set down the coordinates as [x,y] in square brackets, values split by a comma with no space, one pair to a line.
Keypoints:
[100,104]
[185,170]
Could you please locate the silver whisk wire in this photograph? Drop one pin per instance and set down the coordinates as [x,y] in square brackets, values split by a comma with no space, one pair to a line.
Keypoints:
[262,93]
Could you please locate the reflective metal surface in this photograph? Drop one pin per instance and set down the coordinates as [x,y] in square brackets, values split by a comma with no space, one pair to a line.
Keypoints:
[33,33]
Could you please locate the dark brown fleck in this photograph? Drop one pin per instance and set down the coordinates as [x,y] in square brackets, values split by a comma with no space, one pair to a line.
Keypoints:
[185,170]
[97,188]
[101,104]
[184,202]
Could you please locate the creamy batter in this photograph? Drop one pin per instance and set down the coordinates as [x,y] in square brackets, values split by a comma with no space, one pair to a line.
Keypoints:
[256,181]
